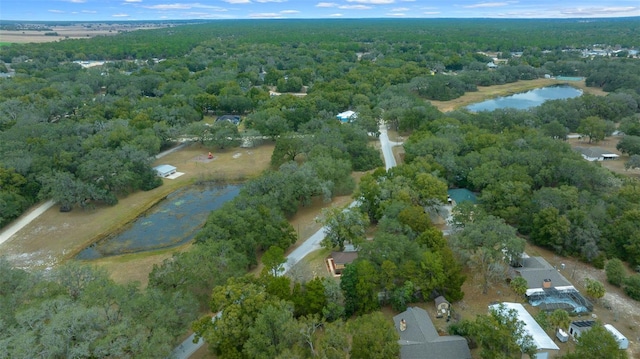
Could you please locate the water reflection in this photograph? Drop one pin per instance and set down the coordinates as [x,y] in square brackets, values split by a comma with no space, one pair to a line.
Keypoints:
[525,100]
[173,221]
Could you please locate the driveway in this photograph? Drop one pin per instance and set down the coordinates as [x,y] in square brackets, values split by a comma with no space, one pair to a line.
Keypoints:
[187,348]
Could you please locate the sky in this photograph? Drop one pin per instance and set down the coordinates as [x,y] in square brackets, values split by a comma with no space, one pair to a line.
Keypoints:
[122,10]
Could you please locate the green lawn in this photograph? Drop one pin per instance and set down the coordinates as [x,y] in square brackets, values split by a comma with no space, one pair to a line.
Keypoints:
[5,43]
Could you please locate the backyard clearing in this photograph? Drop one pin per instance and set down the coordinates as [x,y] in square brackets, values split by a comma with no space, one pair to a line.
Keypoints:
[55,236]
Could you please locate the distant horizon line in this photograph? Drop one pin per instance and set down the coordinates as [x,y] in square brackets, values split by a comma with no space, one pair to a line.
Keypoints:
[321,18]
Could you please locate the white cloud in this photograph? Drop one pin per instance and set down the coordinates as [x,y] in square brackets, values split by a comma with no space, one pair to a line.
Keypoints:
[336,15]
[77,1]
[289,12]
[132,1]
[400,9]
[354,7]
[120,15]
[431,12]
[486,4]
[396,14]
[595,11]
[266,15]
[184,6]
[264,1]
[237,1]
[570,12]
[56,11]
[373,2]
[326,4]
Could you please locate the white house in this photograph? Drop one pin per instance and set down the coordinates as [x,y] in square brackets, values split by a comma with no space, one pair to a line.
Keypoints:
[596,154]
[164,170]
[545,346]
[347,116]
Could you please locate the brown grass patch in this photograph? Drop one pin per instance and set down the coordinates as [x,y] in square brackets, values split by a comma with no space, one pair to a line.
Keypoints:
[70,32]
[54,236]
[609,143]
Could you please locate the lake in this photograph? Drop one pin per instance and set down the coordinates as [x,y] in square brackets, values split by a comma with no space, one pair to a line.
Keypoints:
[525,100]
[173,221]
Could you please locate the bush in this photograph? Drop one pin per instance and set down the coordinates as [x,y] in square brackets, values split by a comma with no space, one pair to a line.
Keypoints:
[598,261]
[615,272]
[632,286]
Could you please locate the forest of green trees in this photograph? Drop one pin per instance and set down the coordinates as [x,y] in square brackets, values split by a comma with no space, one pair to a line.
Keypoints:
[82,136]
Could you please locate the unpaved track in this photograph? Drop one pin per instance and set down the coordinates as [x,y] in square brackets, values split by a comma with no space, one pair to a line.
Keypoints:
[24,220]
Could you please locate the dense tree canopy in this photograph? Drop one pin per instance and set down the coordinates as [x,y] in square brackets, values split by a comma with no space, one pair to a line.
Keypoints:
[83,136]
[79,312]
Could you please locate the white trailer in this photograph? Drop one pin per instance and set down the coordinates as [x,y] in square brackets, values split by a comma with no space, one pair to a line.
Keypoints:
[623,342]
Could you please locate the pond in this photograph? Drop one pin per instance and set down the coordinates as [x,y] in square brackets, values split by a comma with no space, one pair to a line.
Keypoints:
[173,221]
[525,100]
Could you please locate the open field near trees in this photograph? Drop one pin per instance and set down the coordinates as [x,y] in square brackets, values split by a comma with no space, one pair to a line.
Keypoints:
[32,247]
[86,137]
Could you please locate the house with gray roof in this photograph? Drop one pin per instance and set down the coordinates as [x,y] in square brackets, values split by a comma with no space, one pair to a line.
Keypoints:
[596,154]
[548,289]
[540,274]
[419,338]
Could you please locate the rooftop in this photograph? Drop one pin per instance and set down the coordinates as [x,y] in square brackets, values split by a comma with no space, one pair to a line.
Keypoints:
[540,338]
[420,338]
[535,270]
[595,152]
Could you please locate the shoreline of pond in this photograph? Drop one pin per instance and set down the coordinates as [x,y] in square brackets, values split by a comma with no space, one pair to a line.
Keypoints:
[150,209]
[527,100]
[490,92]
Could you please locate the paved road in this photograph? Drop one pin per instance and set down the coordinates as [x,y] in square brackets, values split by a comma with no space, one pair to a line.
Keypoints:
[187,348]
[386,146]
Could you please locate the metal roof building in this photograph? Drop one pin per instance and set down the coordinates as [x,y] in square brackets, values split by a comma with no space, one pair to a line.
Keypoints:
[542,341]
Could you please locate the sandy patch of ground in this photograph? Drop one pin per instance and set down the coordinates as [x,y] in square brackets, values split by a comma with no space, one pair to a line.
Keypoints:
[609,144]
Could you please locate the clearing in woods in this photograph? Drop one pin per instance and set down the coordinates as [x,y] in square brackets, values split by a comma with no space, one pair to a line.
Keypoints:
[54,236]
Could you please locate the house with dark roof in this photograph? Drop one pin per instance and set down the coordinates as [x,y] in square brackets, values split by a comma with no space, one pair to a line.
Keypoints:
[548,289]
[419,338]
[596,154]
[578,327]
[339,260]
[540,274]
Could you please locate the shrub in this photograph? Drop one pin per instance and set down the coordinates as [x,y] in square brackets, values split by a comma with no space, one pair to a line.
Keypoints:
[632,286]
[615,272]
